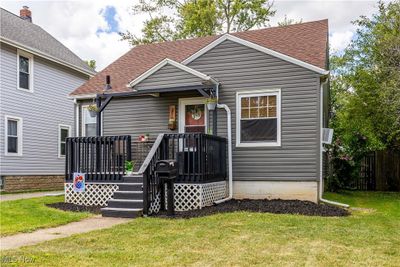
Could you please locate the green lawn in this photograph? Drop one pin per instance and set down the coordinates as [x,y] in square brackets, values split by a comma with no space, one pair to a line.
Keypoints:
[26,215]
[370,237]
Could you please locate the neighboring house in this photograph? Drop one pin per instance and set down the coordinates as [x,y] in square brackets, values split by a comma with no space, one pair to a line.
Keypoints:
[37,74]
[275,83]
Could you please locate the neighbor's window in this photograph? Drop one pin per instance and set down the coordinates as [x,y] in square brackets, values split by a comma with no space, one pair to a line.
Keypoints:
[13,136]
[88,123]
[63,133]
[258,119]
[25,62]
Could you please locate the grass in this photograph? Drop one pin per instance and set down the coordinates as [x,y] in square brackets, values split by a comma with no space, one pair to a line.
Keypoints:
[27,215]
[369,237]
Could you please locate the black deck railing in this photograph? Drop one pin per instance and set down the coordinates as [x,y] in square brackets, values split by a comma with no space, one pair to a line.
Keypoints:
[201,158]
[101,158]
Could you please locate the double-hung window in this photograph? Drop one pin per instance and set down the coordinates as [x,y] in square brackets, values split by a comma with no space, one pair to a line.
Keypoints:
[88,123]
[13,136]
[63,132]
[25,71]
[258,118]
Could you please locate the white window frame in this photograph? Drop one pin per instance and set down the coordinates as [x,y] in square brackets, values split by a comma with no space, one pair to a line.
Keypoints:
[265,92]
[30,57]
[19,135]
[62,127]
[83,122]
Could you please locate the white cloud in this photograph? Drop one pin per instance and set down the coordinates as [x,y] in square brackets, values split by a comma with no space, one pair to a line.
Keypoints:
[75,23]
[340,40]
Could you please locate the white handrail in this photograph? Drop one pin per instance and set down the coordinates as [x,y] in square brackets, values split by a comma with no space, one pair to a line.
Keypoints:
[149,156]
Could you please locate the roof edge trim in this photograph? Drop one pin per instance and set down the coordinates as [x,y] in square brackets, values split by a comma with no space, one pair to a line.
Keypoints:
[46,56]
[260,48]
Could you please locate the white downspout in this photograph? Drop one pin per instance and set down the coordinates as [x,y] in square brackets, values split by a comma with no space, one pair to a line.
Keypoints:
[321,187]
[230,184]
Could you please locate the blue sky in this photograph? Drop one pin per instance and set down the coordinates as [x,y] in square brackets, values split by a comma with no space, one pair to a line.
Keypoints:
[109,14]
[90,27]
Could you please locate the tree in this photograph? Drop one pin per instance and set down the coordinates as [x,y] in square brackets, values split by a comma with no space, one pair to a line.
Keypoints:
[365,87]
[91,63]
[172,20]
[286,21]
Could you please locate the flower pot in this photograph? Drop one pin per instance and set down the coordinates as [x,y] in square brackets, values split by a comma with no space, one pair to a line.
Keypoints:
[211,105]
[129,173]
[92,113]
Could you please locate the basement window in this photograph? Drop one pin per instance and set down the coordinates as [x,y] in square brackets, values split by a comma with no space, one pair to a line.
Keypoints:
[258,118]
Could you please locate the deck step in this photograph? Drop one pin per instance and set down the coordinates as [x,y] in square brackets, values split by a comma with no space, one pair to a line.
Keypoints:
[133,178]
[128,195]
[125,203]
[130,187]
[121,212]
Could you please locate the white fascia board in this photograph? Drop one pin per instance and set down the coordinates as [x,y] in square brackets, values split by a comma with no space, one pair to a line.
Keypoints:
[256,47]
[81,97]
[46,56]
[178,65]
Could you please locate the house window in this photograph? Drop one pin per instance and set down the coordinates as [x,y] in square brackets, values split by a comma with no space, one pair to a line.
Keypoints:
[88,123]
[258,118]
[13,136]
[63,133]
[25,67]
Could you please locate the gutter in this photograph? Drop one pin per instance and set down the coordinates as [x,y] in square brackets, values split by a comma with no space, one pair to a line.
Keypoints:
[230,183]
[321,187]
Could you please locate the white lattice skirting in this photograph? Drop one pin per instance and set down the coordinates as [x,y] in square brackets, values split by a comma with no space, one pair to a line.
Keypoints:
[95,194]
[197,196]
[187,196]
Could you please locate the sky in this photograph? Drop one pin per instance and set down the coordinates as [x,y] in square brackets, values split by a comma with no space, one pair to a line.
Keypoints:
[90,27]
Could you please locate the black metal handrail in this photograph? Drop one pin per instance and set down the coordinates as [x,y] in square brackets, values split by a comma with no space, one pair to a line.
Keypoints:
[201,158]
[101,158]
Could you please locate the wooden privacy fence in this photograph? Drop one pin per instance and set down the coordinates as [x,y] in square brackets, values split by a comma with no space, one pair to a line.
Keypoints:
[379,171]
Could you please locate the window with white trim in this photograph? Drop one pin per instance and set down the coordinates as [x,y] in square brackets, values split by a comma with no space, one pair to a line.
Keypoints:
[63,132]
[258,118]
[88,123]
[13,136]
[25,71]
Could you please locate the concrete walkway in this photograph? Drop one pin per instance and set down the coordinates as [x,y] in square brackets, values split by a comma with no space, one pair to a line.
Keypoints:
[87,225]
[7,197]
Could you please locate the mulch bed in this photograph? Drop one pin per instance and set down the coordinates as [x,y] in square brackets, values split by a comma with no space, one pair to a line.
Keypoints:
[74,207]
[277,206]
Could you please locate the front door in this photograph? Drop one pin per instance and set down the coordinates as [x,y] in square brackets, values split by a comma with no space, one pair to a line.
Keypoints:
[192,115]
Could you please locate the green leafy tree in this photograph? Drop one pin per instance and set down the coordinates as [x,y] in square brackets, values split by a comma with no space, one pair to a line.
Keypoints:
[172,20]
[365,88]
[91,63]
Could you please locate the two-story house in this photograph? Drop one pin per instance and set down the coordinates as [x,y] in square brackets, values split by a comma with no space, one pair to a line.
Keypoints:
[37,73]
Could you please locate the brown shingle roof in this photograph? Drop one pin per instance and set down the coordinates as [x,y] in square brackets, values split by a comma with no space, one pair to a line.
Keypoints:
[306,42]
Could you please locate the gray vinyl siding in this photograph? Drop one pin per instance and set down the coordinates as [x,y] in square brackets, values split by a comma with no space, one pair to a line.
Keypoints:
[42,111]
[168,76]
[238,68]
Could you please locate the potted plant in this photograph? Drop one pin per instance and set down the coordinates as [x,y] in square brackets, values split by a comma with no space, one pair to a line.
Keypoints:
[211,103]
[129,167]
[146,137]
[93,110]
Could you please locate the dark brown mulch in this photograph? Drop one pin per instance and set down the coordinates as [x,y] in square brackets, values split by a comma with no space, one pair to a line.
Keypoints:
[76,208]
[277,206]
